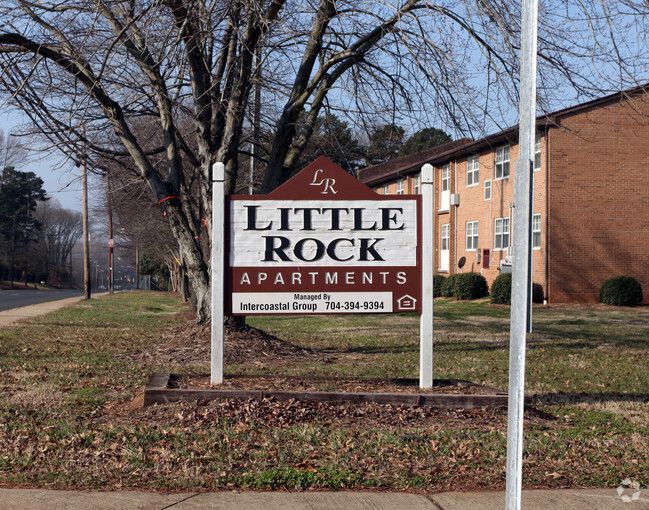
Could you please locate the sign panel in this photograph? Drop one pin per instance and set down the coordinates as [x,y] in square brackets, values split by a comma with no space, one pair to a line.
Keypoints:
[323,243]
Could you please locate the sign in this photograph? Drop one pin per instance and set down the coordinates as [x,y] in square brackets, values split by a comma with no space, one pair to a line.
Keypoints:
[322,243]
[111,243]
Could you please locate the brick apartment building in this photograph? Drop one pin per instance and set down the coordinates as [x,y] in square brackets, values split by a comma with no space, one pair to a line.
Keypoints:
[591,197]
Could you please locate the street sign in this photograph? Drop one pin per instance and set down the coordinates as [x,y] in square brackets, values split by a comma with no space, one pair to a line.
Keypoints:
[111,243]
[323,243]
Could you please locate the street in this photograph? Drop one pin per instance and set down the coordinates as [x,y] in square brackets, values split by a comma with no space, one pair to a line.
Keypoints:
[17,298]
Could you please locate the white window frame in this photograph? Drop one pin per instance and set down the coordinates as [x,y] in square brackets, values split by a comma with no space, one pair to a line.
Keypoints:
[502,169]
[446,177]
[471,235]
[487,190]
[416,185]
[536,231]
[501,234]
[445,190]
[445,237]
[401,186]
[386,189]
[472,171]
[537,153]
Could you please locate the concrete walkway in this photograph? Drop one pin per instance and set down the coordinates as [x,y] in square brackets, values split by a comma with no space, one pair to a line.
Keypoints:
[15,314]
[564,499]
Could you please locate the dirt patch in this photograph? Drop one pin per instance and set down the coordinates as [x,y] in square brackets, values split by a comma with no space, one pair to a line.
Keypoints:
[274,413]
[189,343]
[338,384]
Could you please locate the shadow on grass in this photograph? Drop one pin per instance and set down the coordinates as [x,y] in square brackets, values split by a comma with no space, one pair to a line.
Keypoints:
[588,398]
[377,349]
[560,338]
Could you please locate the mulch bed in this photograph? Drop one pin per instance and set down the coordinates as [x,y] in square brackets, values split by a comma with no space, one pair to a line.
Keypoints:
[189,344]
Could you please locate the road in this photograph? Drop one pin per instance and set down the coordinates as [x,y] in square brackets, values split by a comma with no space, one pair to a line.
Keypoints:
[10,299]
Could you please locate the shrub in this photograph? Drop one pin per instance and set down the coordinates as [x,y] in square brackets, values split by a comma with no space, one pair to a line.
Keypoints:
[501,289]
[438,283]
[621,291]
[470,286]
[448,287]
[538,296]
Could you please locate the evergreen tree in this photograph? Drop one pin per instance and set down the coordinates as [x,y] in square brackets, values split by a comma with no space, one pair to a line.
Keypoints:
[385,142]
[19,194]
[424,139]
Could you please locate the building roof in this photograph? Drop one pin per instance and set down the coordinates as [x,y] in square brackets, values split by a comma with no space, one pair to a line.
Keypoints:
[373,175]
[412,163]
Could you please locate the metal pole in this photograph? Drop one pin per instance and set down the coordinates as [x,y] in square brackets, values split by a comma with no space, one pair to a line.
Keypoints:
[521,308]
[427,262]
[218,267]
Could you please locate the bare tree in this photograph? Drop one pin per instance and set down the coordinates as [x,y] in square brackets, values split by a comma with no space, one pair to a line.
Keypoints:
[186,68]
[11,151]
[60,231]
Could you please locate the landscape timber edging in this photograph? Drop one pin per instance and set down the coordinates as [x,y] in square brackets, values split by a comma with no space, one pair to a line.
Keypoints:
[160,391]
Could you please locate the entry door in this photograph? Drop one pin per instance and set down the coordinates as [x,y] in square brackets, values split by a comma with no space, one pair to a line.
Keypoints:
[445,195]
[444,257]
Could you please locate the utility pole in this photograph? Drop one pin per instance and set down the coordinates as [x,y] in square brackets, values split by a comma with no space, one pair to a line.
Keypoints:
[111,241]
[86,249]
[137,265]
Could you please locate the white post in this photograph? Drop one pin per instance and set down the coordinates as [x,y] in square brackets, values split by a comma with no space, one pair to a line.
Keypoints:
[521,308]
[427,262]
[218,267]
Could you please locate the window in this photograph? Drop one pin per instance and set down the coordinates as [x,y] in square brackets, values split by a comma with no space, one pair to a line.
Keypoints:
[400,186]
[446,178]
[537,153]
[502,162]
[487,190]
[416,185]
[445,237]
[472,169]
[536,231]
[471,235]
[386,189]
[501,234]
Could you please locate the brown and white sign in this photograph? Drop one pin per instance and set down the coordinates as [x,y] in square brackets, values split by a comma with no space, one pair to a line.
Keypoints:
[323,243]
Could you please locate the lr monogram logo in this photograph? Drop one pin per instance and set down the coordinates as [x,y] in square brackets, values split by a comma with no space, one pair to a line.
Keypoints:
[327,183]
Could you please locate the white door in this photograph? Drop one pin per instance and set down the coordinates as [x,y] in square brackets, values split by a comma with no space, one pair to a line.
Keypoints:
[444,252]
[445,195]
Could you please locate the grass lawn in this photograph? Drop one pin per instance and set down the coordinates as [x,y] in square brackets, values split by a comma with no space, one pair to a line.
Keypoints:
[68,416]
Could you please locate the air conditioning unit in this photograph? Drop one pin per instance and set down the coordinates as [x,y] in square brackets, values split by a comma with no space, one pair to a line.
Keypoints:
[455,199]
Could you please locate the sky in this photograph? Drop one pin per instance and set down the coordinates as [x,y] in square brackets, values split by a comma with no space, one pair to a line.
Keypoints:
[62,180]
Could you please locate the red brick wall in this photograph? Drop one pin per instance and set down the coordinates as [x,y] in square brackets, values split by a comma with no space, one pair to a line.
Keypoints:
[599,200]
[473,207]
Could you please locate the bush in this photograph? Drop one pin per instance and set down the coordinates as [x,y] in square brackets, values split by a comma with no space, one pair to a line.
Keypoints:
[538,296]
[621,291]
[501,289]
[448,287]
[470,286]
[438,283]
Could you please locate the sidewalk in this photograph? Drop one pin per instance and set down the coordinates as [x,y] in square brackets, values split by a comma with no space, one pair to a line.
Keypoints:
[15,314]
[563,499]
